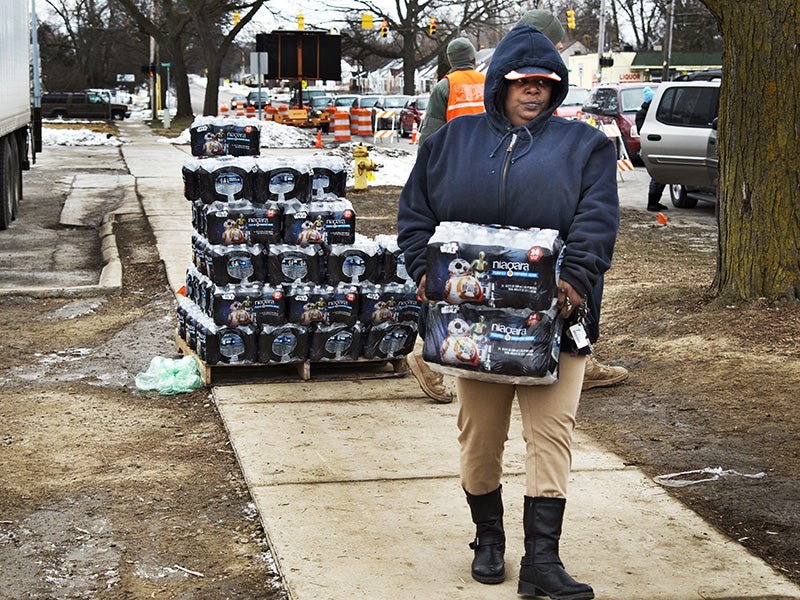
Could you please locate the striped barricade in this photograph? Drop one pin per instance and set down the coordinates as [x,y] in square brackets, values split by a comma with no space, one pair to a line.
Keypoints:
[362,117]
[341,126]
[625,164]
[268,113]
[385,135]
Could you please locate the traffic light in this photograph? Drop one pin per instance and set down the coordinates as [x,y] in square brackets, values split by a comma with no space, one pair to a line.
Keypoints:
[571,19]
[432,26]
[236,18]
[366,21]
[301,21]
[385,28]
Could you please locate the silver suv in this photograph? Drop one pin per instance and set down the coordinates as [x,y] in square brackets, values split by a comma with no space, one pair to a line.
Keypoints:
[679,140]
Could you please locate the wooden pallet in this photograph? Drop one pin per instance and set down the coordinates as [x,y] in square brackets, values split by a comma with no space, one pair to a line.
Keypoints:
[363,368]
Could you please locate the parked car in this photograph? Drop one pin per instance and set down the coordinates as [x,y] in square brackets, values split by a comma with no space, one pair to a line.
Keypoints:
[704,75]
[413,112]
[570,108]
[259,99]
[307,95]
[386,104]
[81,105]
[235,100]
[617,103]
[365,101]
[344,101]
[679,141]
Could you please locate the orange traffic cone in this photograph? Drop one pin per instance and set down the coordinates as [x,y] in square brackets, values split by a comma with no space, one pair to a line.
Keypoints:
[224,111]
[414,134]
[318,143]
[662,218]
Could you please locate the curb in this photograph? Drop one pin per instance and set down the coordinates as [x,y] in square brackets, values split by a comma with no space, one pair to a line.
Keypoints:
[110,276]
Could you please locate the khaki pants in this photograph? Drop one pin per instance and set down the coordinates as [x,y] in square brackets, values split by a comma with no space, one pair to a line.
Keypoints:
[548,421]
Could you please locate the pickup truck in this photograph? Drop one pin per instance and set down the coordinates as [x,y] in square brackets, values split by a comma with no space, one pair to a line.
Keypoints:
[82,105]
[679,140]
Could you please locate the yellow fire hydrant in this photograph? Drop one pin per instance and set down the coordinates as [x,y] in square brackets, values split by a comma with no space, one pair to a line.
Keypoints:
[364,167]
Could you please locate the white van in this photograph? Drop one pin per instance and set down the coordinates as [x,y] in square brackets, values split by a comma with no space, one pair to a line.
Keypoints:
[679,140]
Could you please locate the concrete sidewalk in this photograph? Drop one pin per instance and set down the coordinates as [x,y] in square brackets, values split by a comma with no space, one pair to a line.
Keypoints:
[357,484]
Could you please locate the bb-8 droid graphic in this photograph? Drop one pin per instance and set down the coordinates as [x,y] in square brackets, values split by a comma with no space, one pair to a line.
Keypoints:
[238,315]
[232,233]
[309,234]
[458,347]
[462,286]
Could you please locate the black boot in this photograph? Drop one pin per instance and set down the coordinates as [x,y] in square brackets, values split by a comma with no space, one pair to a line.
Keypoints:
[542,572]
[490,538]
[654,202]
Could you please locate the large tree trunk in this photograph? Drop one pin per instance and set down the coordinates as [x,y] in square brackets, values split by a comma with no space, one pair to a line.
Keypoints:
[759,149]
[180,78]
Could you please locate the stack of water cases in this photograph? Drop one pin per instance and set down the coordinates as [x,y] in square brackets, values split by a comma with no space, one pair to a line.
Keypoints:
[279,273]
[495,316]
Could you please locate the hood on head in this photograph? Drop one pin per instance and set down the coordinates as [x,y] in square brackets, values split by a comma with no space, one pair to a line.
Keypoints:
[521,48]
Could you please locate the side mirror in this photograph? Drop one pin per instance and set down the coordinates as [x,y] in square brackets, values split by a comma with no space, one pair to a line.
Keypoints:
[715,123]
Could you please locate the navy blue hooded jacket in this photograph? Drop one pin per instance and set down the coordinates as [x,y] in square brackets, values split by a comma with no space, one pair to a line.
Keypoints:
[550,173]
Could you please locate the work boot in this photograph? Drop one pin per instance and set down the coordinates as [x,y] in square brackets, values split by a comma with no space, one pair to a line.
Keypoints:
[599,375]
[432,383]
[654,199]
[490,538]
[541,572]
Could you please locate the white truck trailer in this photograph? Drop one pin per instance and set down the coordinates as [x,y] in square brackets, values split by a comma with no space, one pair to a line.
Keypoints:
[20,123]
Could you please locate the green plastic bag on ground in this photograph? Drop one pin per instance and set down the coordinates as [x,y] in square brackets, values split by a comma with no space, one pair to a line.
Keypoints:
[170,376]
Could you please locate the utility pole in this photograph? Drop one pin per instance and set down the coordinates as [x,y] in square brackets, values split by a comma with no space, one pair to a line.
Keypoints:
[668,42]
[601,40]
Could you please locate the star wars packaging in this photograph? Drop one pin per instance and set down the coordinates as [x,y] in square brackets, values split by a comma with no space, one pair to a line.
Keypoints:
[200,248]
[191,179]
[235,264]
[329,177]
[388,302]
[336,342]
[248,304]
[226,178]
[354,263]
[287,263]
[503,345]
[190,327]
[393,262]
[185,307]
[242,222]
[198,216]
[199,288]
[226,345]
[501,267]
[319,222]
[280,179]
[220,136]
[314,305]
[389,340]
[286,343]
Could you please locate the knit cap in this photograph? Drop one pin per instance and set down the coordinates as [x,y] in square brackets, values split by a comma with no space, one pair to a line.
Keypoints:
[460,52]
[546,22]
[648,94]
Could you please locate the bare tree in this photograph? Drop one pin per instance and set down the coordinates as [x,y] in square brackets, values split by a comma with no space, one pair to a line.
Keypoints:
[174,22]
[86,43]
[759,150]
[409,38]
